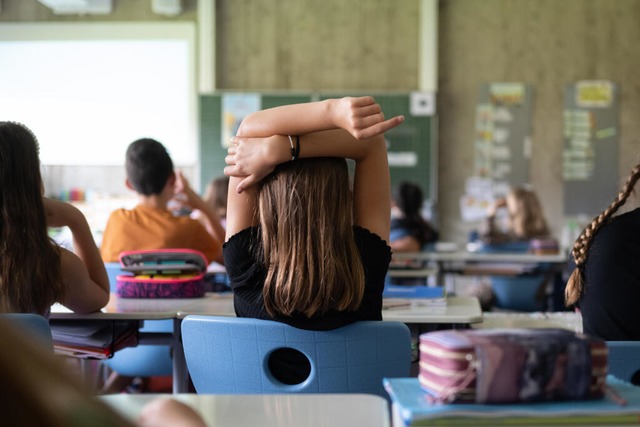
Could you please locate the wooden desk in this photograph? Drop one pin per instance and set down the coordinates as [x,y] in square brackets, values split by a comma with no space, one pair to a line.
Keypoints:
[271,410]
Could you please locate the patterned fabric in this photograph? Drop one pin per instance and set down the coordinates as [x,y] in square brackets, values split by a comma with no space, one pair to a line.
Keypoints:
[132,287]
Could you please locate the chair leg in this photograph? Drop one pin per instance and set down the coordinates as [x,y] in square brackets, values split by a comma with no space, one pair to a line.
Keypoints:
[115,383]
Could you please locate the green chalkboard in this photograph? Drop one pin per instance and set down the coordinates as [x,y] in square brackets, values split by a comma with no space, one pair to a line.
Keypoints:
[412,146]
[212,151]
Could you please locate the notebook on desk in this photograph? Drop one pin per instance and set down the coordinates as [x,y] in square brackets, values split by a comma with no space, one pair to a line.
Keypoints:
[410,407]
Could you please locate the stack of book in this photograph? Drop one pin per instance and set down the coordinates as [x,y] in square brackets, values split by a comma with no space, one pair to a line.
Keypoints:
[93,339]
[414,295]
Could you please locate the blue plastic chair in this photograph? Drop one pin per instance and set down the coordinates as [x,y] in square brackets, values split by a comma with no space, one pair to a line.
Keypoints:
[228,355]
[143,360]
[517,292]
[624,360]
[33,326]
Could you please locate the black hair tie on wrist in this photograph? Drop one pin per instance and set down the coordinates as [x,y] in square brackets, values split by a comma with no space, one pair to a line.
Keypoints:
[295,150]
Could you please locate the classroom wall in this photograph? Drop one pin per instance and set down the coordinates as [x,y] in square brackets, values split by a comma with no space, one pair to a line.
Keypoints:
[123,10]
[547,43]
[317,45]
[373,45]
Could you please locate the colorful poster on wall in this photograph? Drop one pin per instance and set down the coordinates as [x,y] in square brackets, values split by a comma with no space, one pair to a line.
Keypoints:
[235,107]
[502,141]
[589,157]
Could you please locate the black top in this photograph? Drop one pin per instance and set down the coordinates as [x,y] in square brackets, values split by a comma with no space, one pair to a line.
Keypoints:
[247,276]
[611,298]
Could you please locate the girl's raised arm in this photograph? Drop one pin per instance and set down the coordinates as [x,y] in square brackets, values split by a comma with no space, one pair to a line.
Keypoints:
[347,127]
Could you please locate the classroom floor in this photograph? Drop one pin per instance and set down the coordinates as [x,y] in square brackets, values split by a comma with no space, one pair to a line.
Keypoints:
[96,377]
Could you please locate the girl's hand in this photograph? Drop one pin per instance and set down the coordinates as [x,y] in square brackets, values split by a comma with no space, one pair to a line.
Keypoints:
[255,158]
[362,117]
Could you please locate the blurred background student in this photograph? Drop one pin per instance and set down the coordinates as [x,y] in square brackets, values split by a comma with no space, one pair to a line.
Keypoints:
[215,195]
[525,224]
[525,219]
[410,232]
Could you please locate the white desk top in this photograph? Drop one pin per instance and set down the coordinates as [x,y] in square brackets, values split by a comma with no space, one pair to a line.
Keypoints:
[466,256]
[129,308]
[457,310]
[277,410]
[564,320]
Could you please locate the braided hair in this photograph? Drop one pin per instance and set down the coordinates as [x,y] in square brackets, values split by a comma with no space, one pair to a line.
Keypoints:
[580,251]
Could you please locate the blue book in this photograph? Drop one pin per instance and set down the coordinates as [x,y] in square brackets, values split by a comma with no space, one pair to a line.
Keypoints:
[409,291]
[410,407]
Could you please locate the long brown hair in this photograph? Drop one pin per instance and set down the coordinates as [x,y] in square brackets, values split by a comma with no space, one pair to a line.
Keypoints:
[580,251]
[313,264]
[527,220]
[30,278]
[39,390]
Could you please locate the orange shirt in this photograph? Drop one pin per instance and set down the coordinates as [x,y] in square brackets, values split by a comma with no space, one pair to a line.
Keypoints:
[144,228]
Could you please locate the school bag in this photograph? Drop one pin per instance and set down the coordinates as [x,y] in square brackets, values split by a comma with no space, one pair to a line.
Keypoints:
[511,365]
[162,273]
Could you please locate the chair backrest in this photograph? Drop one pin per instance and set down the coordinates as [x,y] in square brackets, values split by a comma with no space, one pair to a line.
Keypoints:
[522,292]
[232,355]
[33,326]
[624,360]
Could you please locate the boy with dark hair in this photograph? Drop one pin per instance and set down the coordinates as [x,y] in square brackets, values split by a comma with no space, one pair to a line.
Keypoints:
[150,225]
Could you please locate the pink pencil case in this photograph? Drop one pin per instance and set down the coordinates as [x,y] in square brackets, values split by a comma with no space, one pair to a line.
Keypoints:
[162,273]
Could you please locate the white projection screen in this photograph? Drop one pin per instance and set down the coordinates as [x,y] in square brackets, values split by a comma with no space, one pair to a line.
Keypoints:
[88,90]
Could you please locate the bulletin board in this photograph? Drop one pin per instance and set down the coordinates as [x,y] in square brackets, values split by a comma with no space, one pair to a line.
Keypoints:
[590,155]
[502,142]
[412,146]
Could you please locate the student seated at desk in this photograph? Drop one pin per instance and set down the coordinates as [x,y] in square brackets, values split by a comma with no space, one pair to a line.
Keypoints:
[215,196]
[410,232]
[301,248]
[525,221]
[151,225]
[35,273]
[605,285]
